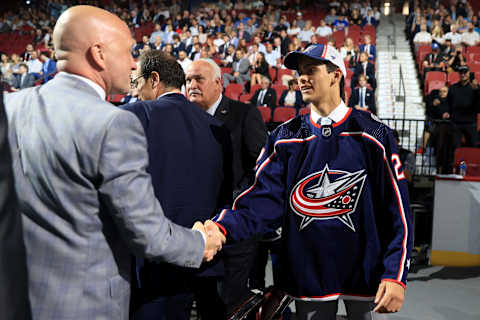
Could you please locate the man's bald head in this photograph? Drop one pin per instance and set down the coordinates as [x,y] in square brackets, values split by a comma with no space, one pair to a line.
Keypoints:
[87,40]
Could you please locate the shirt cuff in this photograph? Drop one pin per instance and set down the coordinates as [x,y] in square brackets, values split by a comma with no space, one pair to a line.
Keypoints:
[203,237]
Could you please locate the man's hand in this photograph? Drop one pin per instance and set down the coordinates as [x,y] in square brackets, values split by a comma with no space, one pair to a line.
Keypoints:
[446,115]
[389,297]
[214,238]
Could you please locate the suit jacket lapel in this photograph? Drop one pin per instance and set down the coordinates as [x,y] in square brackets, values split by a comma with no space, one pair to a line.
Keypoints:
[223,109]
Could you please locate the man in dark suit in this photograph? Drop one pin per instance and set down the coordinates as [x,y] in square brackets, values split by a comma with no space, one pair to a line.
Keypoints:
[362,98]
[248,134]
[13,274]
[190,164]
[265,96]
[366,68]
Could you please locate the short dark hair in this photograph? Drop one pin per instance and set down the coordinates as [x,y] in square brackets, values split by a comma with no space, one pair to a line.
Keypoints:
[23,65]
[169,70]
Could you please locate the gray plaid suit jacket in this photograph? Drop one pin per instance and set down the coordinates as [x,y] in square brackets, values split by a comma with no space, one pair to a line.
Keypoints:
[86,201]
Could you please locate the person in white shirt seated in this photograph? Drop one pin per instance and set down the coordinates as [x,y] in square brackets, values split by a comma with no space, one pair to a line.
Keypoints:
[272,57]
[422,37]
[454,35]
[292,97]
[323,30]
[294,29]
[470,37]
[306,34]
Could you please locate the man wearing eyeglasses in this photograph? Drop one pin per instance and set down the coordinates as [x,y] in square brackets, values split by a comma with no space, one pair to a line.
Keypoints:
[334,182]
[190,164]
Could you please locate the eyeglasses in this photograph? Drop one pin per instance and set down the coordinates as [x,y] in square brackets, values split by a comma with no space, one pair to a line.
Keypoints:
[134,82]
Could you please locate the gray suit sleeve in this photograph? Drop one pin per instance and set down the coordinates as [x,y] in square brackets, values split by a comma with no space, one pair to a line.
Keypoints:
[126,189]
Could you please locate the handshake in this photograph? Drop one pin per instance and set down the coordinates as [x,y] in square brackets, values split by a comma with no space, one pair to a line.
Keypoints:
[213,236]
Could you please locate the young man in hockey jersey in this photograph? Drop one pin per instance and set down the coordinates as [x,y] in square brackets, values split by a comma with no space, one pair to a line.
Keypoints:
[334,182]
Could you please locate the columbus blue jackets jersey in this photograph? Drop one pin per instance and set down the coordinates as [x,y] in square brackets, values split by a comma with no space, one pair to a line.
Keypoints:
[340,196]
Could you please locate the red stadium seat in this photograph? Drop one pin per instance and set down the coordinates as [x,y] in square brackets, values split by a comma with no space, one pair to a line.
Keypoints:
[226,70]
[453,77]
[303,111]
[117,98]
[273,73]
[282,72]
[233,91]
[266,113]
[433,85]
[473,56]
[245,97]
[475,49]
[279,88]
[474,67]
[322,40]
[254,88]
[348,93]
[369,28]
[435,75]
[282,114]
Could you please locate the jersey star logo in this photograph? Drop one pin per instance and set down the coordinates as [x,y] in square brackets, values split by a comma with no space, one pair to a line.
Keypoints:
[328,194]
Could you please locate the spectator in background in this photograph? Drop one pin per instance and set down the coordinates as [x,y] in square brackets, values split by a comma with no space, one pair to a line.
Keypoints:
[463,108]
[363,98]
[331,17]
[260,69]
[240,70]
[177,45]
[470,37]
[348,49]
[265,96]
[24,79]
[28,52]
[454,35]
[323,29]
[272,57]
[229,57]
[369,19]
[434,61]
[156,33]
[34,65]
[456,60]
[365,68]
[49,66]
[306,34]
[422,37]
[355,19]
[294,29]
[341,23]
[242,34]
[369,48]
[448,48]
[183,60]
[5,65]
[377,15]
[292,97]
[438,134]
[300,22]
[437,35]
[285,41]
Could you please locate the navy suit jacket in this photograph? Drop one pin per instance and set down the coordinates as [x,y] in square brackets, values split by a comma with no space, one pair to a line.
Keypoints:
[372,52]
[190,164]
[369,100]
[370,74]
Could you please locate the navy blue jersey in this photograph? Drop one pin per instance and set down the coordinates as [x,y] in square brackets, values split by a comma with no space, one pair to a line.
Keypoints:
[341,200]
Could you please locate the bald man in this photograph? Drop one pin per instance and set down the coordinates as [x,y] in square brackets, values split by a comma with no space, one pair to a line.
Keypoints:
[79,165]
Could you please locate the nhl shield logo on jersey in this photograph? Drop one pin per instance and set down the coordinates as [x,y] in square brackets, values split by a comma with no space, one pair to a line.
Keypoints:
[327,194]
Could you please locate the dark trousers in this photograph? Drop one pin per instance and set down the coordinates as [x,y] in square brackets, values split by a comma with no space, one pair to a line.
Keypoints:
[467,130]
[238,260]
[178,307]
